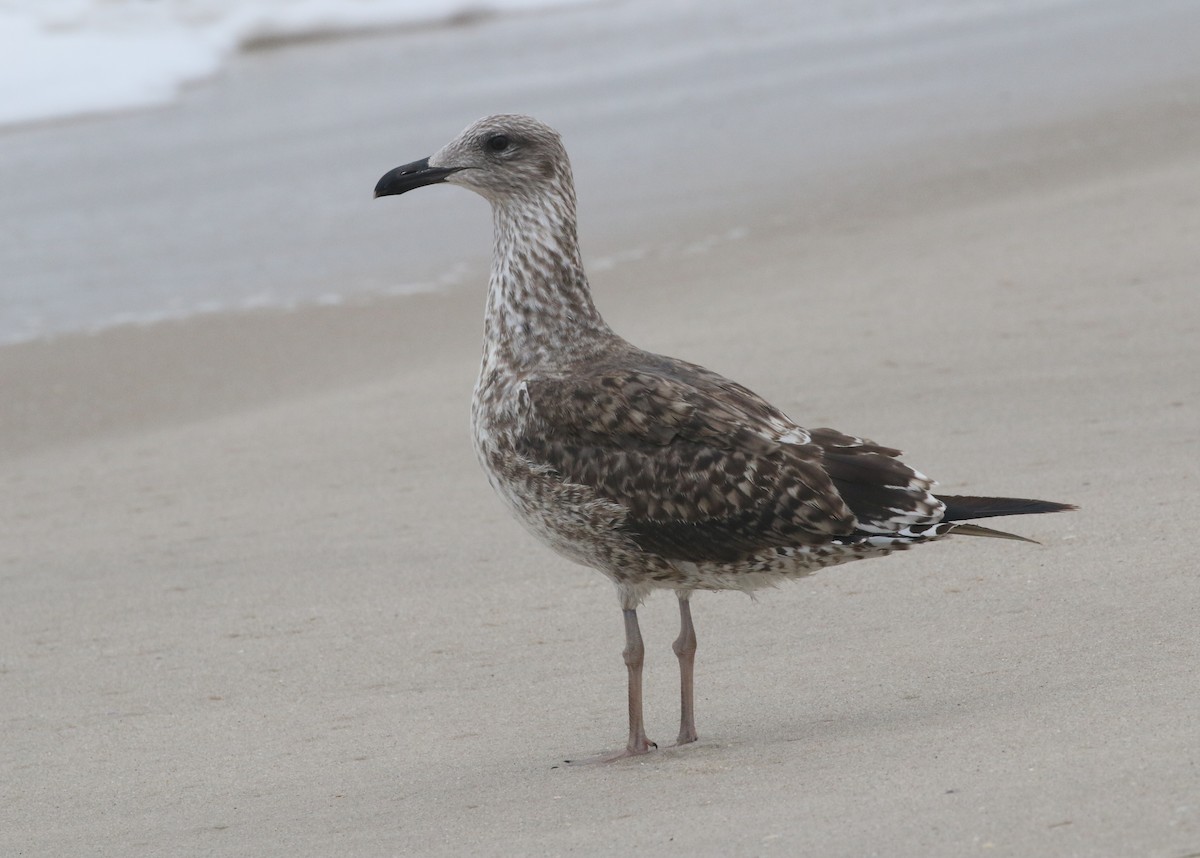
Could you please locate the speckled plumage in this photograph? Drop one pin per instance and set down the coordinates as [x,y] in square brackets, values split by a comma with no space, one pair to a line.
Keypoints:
[657,472]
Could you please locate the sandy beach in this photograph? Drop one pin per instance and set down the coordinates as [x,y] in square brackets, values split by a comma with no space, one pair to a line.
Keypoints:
[256,597]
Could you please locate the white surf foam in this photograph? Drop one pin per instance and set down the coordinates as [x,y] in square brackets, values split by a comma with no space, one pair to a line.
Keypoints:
[70,57]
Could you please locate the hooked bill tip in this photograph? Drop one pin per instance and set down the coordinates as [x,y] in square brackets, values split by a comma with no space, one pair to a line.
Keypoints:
[414,175]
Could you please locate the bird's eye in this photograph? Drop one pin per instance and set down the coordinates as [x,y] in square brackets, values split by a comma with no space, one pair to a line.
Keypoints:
[497,143]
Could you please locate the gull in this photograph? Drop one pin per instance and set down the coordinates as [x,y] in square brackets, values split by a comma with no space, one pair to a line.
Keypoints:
[659,473]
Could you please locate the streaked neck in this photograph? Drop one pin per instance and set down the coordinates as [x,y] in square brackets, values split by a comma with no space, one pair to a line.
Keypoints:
[539,307]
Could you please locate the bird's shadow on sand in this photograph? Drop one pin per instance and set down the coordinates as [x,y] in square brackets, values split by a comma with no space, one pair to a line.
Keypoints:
[862,727]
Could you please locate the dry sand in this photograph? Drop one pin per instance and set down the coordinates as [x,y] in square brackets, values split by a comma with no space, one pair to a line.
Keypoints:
[258,600]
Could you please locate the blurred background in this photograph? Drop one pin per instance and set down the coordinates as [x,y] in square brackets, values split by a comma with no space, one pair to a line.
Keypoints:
[163,158]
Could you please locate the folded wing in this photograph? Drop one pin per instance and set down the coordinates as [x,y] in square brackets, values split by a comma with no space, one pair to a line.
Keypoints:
[709,471]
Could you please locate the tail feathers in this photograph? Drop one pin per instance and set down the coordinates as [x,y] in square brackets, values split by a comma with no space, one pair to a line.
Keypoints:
[965,507]
[977,530]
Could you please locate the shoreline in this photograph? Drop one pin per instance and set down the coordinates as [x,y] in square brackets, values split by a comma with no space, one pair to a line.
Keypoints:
[160,216]
[58,371]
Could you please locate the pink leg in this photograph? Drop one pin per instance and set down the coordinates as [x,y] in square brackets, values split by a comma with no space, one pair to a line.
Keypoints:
[685,649]
[635,656]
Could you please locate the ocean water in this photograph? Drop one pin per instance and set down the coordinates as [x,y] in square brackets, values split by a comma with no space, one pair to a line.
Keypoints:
[69,57]
[255,191]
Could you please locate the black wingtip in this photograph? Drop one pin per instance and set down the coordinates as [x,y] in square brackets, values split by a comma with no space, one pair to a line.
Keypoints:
[966,507]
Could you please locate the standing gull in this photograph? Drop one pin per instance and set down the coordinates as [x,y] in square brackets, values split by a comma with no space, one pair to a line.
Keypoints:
[657,472]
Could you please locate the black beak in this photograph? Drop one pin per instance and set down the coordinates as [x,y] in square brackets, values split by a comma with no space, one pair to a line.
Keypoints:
[410,176]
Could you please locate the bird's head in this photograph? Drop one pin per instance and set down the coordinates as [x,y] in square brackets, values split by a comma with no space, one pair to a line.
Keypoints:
[502,158]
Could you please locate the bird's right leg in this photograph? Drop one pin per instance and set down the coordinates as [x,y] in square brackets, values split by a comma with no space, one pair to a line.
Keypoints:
[685,649]
[635,655]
